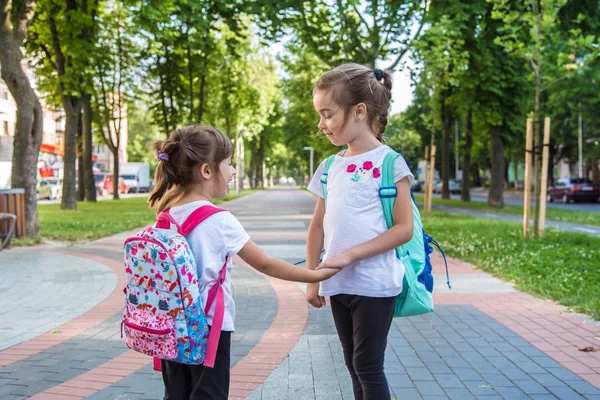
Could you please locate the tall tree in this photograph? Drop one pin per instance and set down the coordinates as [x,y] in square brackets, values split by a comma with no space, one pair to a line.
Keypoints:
[115,80]
[15,19]
[63,38]
[347,30]
[530,31]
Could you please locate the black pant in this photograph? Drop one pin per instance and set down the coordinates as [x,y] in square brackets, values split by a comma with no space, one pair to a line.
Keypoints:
[363,324]
[197,382]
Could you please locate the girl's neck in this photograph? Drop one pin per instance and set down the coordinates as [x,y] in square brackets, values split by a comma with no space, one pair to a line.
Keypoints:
[194,195]
[362,144]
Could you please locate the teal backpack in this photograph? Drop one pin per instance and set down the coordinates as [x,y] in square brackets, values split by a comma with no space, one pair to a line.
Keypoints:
[416,297]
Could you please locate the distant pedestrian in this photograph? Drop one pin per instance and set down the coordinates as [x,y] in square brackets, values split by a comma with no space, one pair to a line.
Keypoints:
[353,101]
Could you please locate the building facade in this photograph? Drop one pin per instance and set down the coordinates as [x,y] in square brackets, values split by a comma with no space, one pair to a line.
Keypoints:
[50,160]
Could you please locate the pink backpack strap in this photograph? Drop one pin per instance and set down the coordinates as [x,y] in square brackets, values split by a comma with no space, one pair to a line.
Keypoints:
[165,220]
[215,293]
[196,217]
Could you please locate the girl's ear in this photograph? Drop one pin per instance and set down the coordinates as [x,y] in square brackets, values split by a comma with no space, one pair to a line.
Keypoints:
[361,111]
[205,171]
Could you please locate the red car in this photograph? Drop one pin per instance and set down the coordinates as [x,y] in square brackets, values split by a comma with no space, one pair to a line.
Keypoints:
[570,190]
[104,184]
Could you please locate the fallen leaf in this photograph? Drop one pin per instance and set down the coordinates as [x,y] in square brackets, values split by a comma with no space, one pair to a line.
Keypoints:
[56,331]
[588,349]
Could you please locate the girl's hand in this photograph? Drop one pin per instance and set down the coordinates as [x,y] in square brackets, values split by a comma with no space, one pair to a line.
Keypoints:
[339,262]
[312,295]
[325,273]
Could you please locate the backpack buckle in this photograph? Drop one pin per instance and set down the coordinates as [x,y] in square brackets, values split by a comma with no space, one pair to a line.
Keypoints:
[388,192]
[324,178]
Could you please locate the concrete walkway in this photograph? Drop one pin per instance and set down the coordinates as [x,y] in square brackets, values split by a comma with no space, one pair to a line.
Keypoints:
[485,339]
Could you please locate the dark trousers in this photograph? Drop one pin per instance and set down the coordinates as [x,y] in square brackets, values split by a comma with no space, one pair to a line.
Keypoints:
[197,382]
[363,324]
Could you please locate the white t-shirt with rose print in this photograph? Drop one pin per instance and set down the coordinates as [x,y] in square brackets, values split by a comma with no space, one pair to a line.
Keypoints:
[353,216]
[220,235]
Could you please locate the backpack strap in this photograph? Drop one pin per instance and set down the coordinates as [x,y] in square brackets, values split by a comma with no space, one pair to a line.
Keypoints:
[388,191]
[328,163]
[215,293]
[165,220]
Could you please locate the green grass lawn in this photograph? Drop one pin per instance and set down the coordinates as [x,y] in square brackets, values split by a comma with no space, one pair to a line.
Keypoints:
[552,214]
[94,220]
[561,266]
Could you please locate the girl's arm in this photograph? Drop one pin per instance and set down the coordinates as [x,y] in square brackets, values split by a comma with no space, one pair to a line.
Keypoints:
[314,245]
[400,233]
[257,259]
[316,236]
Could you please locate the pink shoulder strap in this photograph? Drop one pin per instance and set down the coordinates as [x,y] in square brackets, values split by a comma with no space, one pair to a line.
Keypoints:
[164,221]
[215,293]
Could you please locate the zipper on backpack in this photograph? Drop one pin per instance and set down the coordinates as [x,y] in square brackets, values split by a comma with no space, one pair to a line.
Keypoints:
[146,329]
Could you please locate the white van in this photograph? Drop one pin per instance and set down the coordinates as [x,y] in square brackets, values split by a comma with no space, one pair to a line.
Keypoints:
[136,175]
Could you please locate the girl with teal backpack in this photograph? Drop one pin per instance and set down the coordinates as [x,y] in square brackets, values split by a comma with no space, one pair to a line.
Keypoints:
[381,250]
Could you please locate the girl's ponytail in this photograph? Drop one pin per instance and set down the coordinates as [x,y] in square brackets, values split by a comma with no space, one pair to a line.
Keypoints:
[165,191]
[179,157]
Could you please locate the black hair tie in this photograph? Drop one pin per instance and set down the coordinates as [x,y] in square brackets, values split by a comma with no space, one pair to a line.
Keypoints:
[378,74]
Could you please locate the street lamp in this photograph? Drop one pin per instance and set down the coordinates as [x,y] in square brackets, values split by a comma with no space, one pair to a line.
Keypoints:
[308,148]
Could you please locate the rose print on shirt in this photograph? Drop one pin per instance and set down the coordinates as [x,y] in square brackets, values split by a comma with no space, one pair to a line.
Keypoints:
[363,173]
[363,187]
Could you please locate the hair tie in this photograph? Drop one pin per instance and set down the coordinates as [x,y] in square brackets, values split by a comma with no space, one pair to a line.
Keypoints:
[162,156]
[378,74]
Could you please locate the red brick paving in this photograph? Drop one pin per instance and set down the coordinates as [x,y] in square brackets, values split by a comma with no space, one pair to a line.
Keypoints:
[542,323]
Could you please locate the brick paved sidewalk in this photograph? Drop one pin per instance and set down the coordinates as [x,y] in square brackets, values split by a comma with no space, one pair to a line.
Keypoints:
[485,339]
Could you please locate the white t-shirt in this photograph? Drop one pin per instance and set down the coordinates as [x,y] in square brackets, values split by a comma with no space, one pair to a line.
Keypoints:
[354,215]
[217,236]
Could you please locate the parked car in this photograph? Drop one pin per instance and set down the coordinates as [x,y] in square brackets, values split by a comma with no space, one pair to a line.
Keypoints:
[104,184]
[44,189]
[56,184]
[573,189]
[417,186]
[454,187]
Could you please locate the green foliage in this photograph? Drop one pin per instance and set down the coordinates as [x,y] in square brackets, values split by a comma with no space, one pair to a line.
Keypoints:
[97,220]
[346,30]
[552,214]
[561,266]
[404,140]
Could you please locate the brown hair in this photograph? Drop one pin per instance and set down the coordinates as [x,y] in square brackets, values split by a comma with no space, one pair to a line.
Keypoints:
[352,84]
[185,150]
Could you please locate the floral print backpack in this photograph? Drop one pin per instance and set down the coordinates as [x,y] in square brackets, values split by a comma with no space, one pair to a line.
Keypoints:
[163,315]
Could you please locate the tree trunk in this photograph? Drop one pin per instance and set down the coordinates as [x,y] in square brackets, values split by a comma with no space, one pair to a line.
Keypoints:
[537,134]
[495,195]
[164,104]
[446,123]
[28,130]
[516,172]
[191,79]
[80,187]
[87,163]
[116,173]
[465,194]
[72,107]
[201,105]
